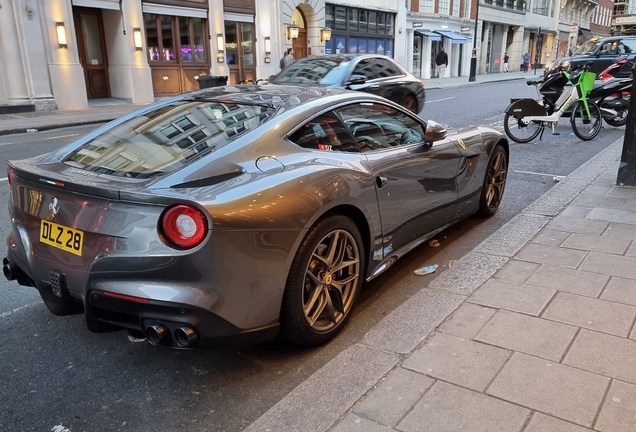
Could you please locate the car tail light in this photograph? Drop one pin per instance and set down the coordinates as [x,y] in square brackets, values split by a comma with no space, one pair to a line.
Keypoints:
[9,175]
[184,225]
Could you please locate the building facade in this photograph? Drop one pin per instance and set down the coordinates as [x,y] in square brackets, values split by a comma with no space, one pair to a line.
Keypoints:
[59,54]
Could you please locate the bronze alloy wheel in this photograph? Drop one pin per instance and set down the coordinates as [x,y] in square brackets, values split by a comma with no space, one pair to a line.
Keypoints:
[330,280]
[494,183]
[323,281]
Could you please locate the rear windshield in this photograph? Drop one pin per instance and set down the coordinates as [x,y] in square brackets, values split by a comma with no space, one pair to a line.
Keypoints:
[168,138]
[313,71]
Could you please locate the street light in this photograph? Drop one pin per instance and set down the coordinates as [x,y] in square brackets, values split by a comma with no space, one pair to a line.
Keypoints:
[473,59]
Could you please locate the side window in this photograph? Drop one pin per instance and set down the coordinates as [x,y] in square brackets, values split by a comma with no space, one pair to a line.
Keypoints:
[380,127]
[385,68]
[628,46]
[325,132]
[365,68]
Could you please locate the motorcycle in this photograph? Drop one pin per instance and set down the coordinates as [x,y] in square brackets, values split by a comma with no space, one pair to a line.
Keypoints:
[610,94]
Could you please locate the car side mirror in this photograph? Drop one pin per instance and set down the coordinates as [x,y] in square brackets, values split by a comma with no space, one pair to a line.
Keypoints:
[434,132]
[355,80]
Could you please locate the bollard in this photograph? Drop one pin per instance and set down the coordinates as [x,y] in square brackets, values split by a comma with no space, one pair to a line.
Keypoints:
[627,169]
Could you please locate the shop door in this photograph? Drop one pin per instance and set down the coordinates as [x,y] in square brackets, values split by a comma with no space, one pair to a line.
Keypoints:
[92,51]
[239,51]
[300,44]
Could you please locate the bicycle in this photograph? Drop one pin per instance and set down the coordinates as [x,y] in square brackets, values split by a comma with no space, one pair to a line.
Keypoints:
[525,118]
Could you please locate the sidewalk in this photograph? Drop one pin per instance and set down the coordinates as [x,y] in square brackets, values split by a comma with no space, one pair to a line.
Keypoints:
[105,110]
[531,331]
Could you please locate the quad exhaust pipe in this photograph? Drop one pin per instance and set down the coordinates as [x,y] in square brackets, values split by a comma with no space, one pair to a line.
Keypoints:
[156,333]
[186,337]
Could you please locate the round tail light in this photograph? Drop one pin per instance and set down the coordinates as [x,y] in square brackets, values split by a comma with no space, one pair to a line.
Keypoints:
[184,225]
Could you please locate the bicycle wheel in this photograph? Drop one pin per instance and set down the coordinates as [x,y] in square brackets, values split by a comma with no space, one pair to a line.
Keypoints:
[586,127]
[519,131]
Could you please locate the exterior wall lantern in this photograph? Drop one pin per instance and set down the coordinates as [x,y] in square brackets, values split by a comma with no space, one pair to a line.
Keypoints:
[137,38]
[292,31]
[325,34]
[220,47]
[61,34]
[268,49]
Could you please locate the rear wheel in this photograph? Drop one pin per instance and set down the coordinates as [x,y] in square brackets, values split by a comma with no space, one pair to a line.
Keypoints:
[519,131]
[323,282]
[621,117]
[494,182]
[586,127]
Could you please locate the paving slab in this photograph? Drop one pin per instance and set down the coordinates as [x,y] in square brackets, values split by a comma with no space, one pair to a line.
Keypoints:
[393,397]
[511,237]
[609,264]
[459,361]
[631,251]
[543,423]
[516,271]
[595,190]
[551,255]
[555,389]
[575,211]
[550,237]
[527,334]
[622,192]
[448,408]
[604,354]
[552,202]
[466,321]
[353,423]
[597,243]
[569,280]
[522,298]
[590,201]
[612,215]
[619,230]
[620,290]
[630,205]
[594,314]
[618,413]
[577,225]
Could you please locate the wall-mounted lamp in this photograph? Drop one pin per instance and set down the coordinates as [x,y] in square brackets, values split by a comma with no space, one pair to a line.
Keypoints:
[137,38]
[268,46]
[325,34]
[220,43]
[61,34]
[292,31]
[220,47]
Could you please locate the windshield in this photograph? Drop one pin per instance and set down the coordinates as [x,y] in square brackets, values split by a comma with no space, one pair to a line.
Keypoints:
[168,138]
[587,48]
[313,71]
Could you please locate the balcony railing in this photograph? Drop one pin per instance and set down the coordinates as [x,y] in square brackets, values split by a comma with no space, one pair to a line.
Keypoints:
[508,4]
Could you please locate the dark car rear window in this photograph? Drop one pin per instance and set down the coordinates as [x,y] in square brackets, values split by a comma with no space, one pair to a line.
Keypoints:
[168,138]
[323,71]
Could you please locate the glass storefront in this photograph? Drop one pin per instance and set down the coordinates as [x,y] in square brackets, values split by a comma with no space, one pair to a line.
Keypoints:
[352,27]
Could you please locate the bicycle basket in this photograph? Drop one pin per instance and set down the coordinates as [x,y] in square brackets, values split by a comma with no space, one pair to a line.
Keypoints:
[586,82]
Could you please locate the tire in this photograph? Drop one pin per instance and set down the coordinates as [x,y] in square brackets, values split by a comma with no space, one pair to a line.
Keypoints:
[583,127]
[323,283]
[410,104]
[621,118]
[519,132]
[494,182]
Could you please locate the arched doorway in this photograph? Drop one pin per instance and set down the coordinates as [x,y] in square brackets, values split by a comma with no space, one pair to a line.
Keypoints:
[300,43]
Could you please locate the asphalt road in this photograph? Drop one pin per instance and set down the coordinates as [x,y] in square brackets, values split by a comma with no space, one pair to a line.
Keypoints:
[55,374]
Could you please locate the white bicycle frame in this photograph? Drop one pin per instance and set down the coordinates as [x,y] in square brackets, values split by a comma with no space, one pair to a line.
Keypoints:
[572,96]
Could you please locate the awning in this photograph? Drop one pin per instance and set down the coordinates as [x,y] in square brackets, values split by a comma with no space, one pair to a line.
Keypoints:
[455,37]
[429,34]
[161,9]
[587,34]
[99,4]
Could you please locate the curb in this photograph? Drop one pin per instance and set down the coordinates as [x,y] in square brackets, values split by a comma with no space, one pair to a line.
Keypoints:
[42,128]
[325,397]
[468,83]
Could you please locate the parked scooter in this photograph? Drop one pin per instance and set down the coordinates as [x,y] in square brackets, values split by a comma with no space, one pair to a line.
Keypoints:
[609,93]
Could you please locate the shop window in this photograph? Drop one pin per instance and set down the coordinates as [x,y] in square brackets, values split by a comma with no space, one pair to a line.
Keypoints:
[329,16]
[163,43]
[363,24]
[353,19]
[373,18]
[167,38]
[381,23]
[341,18]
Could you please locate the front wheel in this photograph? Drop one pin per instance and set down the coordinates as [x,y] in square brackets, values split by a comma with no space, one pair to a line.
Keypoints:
[494,182]
[323,281]
[519,131]
[585,126]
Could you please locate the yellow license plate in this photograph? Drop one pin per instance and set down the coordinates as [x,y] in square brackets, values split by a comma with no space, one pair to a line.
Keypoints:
[61,237]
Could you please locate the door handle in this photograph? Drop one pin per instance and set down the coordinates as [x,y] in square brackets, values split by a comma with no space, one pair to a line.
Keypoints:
[381,181]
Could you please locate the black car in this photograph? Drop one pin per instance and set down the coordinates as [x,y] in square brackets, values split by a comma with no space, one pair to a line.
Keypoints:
[370,73]
[602,53]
